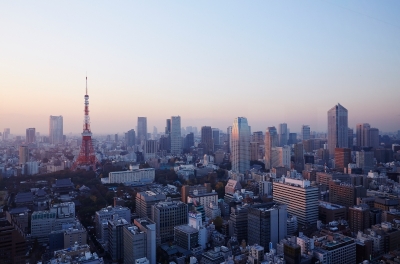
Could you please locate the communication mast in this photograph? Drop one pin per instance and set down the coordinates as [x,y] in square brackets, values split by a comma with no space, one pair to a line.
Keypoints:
[86,155]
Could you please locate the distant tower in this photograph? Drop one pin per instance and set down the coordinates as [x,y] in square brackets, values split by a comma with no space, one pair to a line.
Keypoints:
[338,131]
[86,155]
[240,143]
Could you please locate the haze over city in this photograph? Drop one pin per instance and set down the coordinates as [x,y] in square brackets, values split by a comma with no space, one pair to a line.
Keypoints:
[208,62]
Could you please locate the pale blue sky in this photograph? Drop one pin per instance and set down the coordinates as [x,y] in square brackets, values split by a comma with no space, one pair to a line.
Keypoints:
[207,61]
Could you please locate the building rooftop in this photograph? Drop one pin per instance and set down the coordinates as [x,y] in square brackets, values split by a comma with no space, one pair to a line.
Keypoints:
[187,229]
[330,205]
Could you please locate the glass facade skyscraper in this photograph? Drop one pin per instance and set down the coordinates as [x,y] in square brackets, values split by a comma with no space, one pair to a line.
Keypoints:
[337,128]
[240,145]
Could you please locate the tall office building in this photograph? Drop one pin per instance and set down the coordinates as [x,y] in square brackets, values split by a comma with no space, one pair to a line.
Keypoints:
[258,136]
[216,136]
[267,223]
[229,136]
[338,130]
[176,139]
[130,138]
[141,130]
[301,199]
[6,133]
[373,138]
[116,238]
[305,132]
[240,145]
[23,154]
[365,160]
[342,158]
[56,132]
[207,139]
[299,157]
[271,141]
[362,134]
[140,241]
[350,138]
[145,200]
[359,218]
[168,126]
[292,138]
[166,215]
[280,157]
[254,150]
[189,140]
[283,134]
[30,136]
[150,149]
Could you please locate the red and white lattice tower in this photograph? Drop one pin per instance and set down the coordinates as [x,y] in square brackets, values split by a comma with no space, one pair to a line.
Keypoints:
[86,155]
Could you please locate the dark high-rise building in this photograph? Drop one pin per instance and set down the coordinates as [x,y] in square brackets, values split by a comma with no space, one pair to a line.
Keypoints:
[359,217]
[299,157]
[271,141]
[267,223]
[167,215]
[342,158]
[13,245]
[258,136]
[30,136]
[292,138]
[23,154]
[350,138]
[216,136]
[283,134]
[141,130]
[189,140]
[207,139]
[239,223]
[165,143]
[168,127]
[344,193]
[365,160]
[130,138]
[338,131]
[116,137]
[373,138]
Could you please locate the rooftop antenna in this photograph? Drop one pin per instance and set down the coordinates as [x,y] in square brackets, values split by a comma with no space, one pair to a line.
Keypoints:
[86,83]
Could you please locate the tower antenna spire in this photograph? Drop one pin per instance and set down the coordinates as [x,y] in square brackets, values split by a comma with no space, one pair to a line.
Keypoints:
[86,83]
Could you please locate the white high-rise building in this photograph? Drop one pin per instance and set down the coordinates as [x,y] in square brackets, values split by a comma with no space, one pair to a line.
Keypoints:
[305,132]
[337,128]
[176,138]
[300,197]
[56,131]
[240,140]
[283,134]
[280,157]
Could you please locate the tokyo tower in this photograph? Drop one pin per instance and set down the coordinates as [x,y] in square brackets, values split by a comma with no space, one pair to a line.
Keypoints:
[86,155]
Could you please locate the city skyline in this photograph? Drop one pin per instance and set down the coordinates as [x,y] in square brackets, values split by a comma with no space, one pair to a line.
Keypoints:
[292,60]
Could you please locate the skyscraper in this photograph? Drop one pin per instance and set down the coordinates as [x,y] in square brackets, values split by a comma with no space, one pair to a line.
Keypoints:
[141,130]
[56,130]
[362,134]
[283,134]
[168,126]
[6,133]
[215,136]
[176,139]
[229,135]
[373,137]
[267,223]
[207,139]
[338,130]
[299,157]
[30,136]
[305,132]
[271,141]
[350,138]
[130,138]
[240,145]
[23,154]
